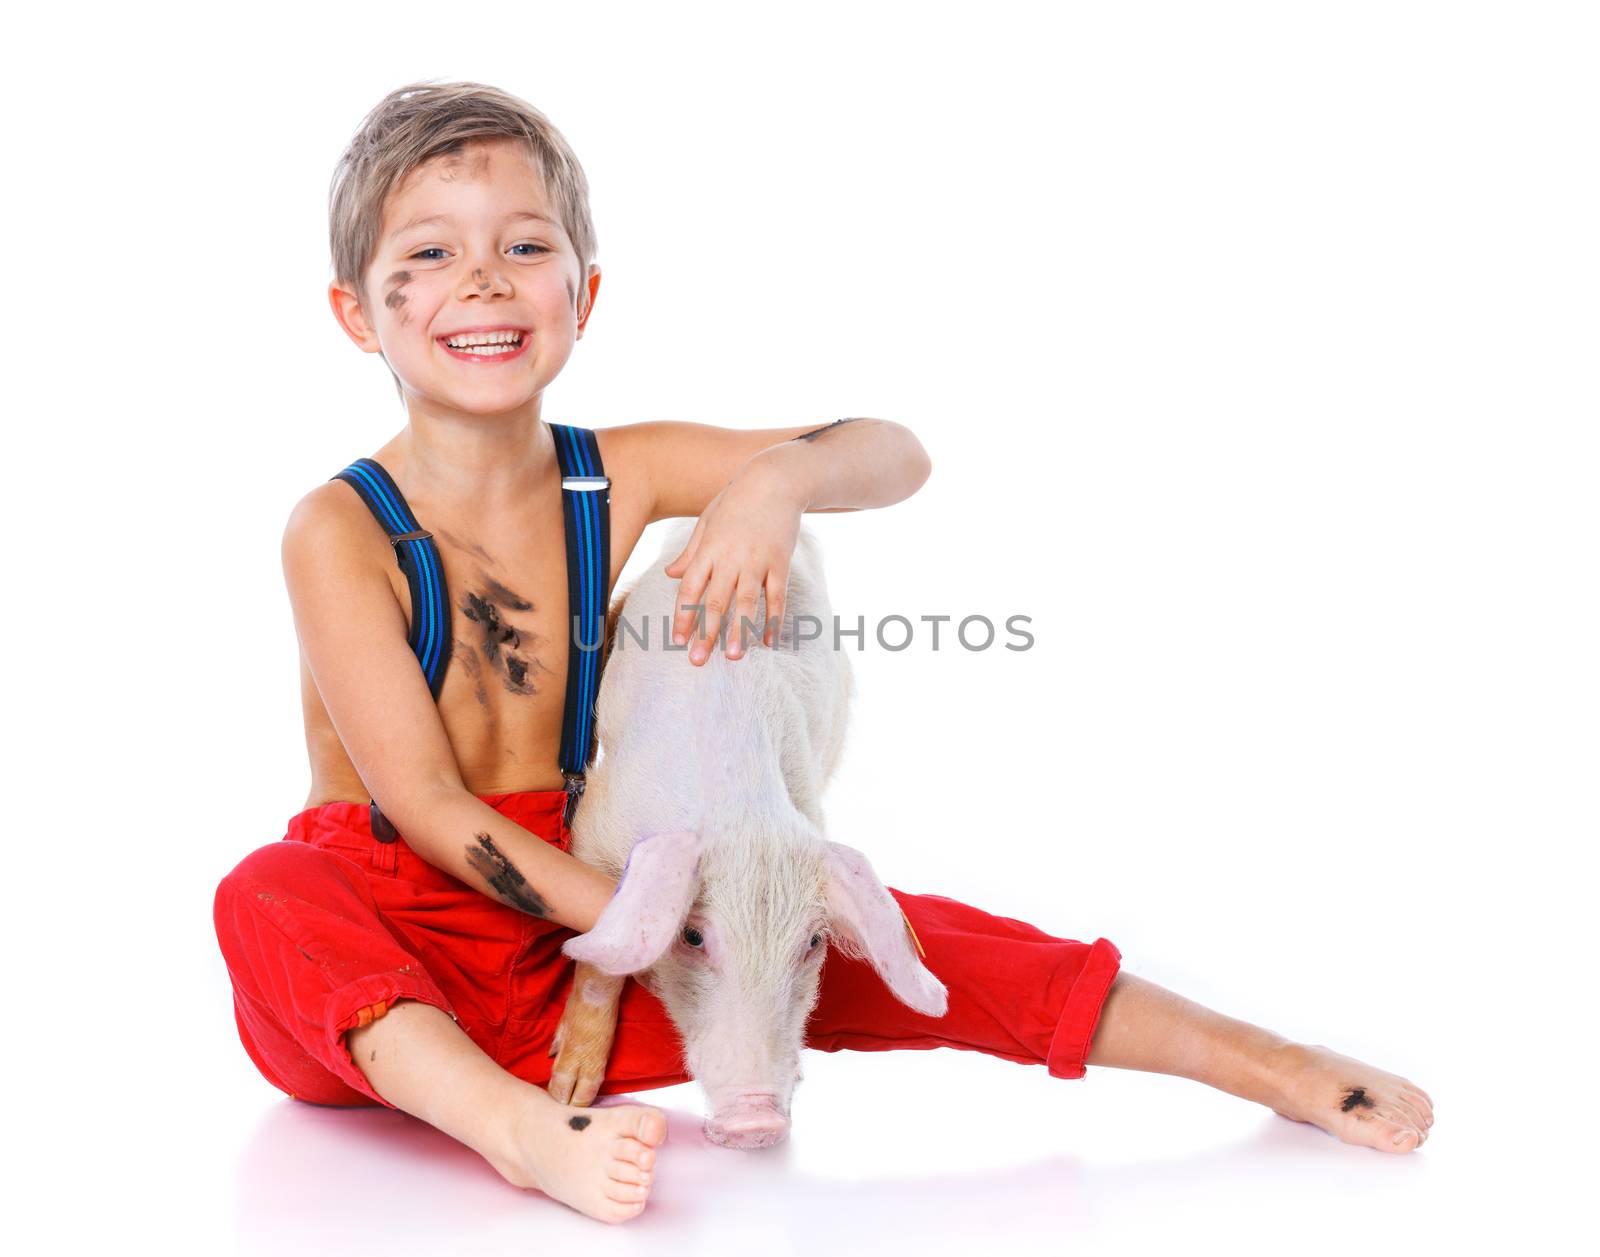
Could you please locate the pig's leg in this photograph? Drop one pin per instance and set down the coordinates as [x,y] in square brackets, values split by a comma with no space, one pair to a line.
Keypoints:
[582,1044]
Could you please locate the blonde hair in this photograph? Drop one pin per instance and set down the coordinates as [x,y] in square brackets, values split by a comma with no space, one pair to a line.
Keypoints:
[420,121]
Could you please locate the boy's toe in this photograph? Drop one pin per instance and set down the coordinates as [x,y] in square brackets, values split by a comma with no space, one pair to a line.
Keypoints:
[1404,1139]
[1409,1113]
[1419,1100]
[648,1126]
[1394,1131]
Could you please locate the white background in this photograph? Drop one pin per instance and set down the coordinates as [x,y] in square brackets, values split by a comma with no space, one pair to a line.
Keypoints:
[1254,347]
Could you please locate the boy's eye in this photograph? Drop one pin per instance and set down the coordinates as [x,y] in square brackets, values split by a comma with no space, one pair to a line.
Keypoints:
[423,253]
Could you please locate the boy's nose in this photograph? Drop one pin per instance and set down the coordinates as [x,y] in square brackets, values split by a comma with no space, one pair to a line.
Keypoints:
[484,280]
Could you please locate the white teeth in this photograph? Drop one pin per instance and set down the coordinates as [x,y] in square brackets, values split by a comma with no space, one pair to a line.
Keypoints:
[466,341]
[488,351]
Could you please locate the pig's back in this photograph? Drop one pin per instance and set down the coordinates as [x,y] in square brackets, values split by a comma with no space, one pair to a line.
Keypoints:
[703,747]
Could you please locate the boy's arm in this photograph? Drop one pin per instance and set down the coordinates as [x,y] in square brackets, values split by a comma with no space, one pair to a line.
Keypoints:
[749,489]
[844,465]
[353,635]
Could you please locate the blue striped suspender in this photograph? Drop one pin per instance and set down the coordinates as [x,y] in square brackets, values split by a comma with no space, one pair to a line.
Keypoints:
[586,503]
[586,509]
[418,558]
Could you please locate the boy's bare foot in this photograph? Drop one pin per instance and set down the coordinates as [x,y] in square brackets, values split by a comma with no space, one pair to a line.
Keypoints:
[599,1161]
[1147,1027]
[1359,1104]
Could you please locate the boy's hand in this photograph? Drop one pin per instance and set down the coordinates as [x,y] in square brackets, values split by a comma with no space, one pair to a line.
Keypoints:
[740,546]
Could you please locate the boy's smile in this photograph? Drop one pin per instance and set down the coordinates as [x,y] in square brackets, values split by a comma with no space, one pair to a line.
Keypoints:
[474,283]
[487,344]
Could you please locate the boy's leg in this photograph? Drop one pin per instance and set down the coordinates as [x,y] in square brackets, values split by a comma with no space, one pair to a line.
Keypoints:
[335,1010]
[1146,1027]
[599,1161]
[1015,991]
[1021,994]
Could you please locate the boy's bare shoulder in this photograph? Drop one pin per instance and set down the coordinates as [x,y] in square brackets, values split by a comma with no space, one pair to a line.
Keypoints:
[626,442]
[640,440]
[673,467]
[630,452]
[641,451]
[331,527]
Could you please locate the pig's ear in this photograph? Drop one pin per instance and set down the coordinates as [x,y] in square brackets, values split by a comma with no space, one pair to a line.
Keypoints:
[649,905]
[870,923]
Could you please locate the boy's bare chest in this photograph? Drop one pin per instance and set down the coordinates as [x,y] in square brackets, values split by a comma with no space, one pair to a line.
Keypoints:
[505,687]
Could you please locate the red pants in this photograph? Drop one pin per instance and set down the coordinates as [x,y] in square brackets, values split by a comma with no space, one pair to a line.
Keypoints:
[326,929]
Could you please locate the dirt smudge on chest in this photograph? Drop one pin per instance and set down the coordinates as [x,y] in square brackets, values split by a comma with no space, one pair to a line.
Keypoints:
[505,647]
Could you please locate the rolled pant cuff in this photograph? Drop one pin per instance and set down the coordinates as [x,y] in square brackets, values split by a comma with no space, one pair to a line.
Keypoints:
[360,1003]
[1069,1048]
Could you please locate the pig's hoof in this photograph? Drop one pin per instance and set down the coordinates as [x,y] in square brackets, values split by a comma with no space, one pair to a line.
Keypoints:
[578,1071]
[575,1079]
[582,1042]
[755,1121]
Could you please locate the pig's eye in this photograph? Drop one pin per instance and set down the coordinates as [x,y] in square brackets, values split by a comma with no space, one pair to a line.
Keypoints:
[815,939]
[693,936]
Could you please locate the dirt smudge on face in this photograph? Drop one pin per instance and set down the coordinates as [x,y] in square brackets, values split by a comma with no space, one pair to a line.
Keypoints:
[464,159]
[396,299]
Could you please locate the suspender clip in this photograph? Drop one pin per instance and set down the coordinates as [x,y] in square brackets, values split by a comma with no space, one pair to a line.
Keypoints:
[574,785]
[586,484]
[382,827]
[422,534]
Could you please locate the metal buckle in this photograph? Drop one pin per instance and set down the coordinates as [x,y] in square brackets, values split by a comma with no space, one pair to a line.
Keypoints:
[422,534]
[586,484]
[574,787]
[382,827]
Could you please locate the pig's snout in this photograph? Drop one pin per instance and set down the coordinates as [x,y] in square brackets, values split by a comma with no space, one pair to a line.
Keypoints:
[752,1121]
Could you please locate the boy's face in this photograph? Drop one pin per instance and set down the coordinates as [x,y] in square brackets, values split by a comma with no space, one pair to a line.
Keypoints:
[492,256]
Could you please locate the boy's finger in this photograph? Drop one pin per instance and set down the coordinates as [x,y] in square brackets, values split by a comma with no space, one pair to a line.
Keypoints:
[777,591]
[717,596]
[690,604]
[687,553]
[743,628]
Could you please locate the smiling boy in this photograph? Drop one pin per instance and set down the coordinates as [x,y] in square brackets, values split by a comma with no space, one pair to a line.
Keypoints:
[402,947]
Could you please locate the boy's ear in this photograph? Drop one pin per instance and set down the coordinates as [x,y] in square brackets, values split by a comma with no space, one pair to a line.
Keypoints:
[347,309]
[593,285]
